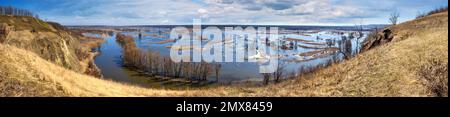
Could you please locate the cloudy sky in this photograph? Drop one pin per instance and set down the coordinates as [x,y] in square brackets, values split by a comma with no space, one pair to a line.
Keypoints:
[285,12]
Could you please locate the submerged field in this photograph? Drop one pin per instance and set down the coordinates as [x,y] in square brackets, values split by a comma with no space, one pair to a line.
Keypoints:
[297,50]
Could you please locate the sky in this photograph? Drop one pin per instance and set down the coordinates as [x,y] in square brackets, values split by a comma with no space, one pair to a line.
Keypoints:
[264,12]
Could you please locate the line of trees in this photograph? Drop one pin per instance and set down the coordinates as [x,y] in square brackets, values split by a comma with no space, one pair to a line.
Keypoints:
[9,10]
[437,10]
[281,73]
[154,64]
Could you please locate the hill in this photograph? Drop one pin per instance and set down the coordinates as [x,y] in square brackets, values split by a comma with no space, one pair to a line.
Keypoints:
[49,40]
[408,59]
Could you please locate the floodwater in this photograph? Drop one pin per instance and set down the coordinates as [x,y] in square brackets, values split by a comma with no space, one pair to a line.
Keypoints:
[109,59]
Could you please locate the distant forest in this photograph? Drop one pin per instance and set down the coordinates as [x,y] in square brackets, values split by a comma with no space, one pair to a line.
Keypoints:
[9,10]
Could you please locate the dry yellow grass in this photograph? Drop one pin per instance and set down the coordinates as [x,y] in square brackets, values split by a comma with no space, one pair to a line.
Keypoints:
[41,38]
[22,65]
[388,70]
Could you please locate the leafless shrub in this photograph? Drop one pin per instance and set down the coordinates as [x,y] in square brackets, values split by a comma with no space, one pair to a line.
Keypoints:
[436,75]
[420,15]
[266,77]
[438,10]
[80,53]
[278,74]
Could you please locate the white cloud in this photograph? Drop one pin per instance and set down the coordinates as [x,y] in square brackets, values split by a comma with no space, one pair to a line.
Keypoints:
[202,11]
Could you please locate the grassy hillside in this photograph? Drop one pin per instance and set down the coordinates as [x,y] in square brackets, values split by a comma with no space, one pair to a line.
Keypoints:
[49,40]
[412,65]
[23,73]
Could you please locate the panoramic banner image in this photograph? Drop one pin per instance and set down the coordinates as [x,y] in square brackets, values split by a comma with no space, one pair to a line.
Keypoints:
[212,57]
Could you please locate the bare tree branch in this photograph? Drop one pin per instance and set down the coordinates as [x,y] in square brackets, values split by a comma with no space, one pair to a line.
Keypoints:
[393,19]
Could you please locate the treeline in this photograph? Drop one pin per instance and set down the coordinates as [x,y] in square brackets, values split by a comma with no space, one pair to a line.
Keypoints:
[154,64]
[437,10]
[9,10]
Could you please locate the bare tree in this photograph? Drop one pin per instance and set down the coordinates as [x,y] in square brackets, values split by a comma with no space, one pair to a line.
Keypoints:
[279,72]
[266,78]
[345,47]
[359,29]
[217,69]
[393,19]
[420,15]
[155,64]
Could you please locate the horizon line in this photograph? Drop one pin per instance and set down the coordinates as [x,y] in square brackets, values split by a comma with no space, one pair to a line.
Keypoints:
[219,25]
